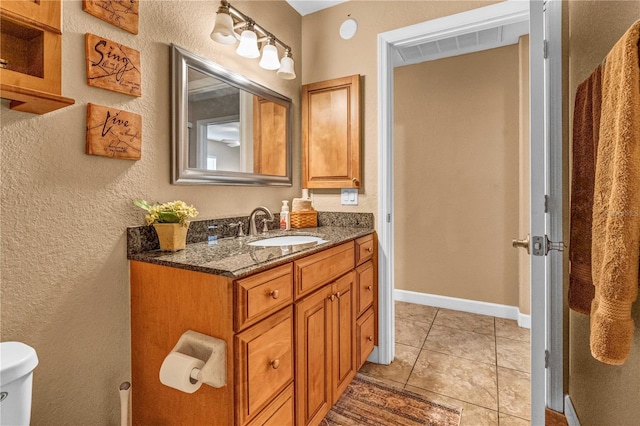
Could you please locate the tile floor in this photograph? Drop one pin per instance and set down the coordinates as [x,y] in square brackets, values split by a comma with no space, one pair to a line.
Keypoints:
[476,362]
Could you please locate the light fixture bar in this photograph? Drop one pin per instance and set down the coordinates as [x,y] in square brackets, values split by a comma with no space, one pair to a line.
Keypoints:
[242,19]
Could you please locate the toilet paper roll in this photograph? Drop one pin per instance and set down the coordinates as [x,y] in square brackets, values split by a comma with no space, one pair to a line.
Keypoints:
[175,372]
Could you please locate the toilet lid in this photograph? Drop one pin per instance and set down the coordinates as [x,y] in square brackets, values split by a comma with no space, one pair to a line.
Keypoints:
[16,360]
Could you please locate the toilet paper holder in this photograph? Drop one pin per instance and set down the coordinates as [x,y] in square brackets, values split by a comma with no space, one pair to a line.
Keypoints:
[195,360]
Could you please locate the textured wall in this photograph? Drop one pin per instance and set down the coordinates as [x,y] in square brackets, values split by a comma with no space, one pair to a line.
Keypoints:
[601,394]
[456,178]
[327,56]
[65,281]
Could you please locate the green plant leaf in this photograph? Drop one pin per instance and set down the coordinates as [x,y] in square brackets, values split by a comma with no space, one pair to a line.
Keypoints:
[168,217]
[142,204]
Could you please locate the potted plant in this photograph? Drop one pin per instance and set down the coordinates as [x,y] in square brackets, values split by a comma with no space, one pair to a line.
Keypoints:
[170,221]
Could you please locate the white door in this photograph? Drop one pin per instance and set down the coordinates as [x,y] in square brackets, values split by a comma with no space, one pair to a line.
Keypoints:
[546,207]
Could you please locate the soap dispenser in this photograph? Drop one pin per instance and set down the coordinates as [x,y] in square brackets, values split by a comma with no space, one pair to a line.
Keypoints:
[285,216]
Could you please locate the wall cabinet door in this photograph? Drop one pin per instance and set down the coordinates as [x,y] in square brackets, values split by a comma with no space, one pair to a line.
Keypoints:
[331,133]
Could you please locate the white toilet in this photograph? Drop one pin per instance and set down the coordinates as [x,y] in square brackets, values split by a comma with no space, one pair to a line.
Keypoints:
[17,362]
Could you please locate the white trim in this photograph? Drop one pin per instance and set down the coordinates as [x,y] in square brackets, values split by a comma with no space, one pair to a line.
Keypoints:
[386,310]
[524,320]
[464,305]
[570,412]
[555,291]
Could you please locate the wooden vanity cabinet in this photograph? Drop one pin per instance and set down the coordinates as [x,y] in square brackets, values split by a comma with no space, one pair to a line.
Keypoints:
[331,133]
[31,52]
[295,334]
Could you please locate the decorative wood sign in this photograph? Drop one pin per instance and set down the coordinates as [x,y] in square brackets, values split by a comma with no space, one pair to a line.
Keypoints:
[113,133]
[121,13]
[112,66]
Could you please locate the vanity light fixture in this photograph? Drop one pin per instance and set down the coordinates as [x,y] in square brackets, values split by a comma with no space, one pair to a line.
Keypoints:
[229,20]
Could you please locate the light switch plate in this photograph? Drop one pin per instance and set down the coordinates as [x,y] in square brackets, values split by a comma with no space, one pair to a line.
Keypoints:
[349,197]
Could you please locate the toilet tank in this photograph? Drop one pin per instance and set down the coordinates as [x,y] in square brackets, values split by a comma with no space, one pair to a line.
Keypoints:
[17,362]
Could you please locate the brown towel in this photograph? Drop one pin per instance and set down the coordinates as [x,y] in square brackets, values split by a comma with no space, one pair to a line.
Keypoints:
[586,127]
[615,246]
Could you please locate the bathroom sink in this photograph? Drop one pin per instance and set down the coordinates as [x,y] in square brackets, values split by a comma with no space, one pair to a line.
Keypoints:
[287,240]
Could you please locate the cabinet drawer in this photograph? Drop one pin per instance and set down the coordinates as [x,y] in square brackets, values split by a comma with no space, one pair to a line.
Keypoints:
[262,294]
[365,287]
[321,268]
[365,336]
[264,363]
[364,249]
[279,413]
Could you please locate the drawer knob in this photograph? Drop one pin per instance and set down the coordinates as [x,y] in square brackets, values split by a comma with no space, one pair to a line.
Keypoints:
[275,364]
[369,287]
[370,338]
[332,297]
[369,249]
[338,295]
[274,294]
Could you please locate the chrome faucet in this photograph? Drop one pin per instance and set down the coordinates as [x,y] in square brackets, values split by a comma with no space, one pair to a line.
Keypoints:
[253,230]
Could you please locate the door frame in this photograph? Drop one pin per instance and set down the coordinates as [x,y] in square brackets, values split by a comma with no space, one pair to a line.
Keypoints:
[465,22]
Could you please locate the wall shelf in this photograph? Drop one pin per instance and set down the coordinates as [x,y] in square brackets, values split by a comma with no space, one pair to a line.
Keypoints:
[31,52]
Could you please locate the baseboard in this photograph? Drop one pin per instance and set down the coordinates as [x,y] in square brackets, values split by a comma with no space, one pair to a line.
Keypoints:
[570,412]
[465,305]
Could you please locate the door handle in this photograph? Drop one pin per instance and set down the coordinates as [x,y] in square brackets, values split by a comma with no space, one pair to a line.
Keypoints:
[521,243]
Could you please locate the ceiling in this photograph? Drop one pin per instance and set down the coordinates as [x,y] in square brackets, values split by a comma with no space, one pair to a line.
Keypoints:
[305,7]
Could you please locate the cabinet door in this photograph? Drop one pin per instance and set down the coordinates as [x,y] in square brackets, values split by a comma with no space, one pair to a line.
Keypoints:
[313,357]
[264,363]
[343,334]
[331,133]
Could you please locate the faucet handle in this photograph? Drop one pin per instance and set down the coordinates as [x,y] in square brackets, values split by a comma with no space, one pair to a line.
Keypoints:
[265,227]
[240,229]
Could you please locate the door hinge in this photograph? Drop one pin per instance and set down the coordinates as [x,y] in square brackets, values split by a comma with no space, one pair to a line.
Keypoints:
[546,49]
[546,359]
[388,217]
[541,246]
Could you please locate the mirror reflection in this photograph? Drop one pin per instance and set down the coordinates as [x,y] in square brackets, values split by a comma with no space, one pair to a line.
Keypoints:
[227,129]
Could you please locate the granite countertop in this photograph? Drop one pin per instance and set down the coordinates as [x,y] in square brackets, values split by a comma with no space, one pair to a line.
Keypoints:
[234,258]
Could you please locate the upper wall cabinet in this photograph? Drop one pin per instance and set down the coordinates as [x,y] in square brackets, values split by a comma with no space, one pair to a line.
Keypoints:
[31,48]
[331,133]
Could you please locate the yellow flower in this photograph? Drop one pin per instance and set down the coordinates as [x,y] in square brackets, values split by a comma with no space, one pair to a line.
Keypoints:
[169,212]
